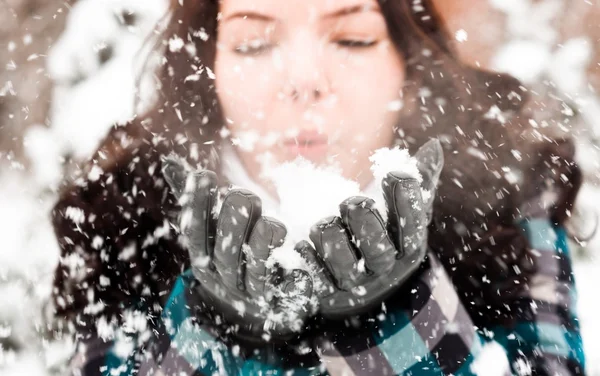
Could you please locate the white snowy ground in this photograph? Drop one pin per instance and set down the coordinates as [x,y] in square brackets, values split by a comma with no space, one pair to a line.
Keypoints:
[82,114]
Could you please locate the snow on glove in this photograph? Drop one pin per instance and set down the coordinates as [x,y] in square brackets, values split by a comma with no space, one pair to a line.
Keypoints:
[229,255]
[360,259]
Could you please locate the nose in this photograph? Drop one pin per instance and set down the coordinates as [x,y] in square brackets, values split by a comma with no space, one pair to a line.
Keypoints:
[305,77]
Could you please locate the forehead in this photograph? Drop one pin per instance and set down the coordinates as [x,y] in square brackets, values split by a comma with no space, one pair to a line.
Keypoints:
[285,9]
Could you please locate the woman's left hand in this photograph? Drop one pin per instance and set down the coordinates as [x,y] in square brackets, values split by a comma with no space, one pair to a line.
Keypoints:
[360,259]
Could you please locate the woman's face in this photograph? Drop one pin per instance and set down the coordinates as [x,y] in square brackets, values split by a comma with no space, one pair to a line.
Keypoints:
[316,78]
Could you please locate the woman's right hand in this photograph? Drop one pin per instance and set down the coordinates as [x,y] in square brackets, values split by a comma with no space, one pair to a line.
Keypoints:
[229,255]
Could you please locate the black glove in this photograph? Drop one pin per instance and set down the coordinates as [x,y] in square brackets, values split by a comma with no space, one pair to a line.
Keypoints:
[229,255]
[360,259]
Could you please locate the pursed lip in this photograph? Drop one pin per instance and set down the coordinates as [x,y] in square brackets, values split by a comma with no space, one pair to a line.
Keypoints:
[307,143]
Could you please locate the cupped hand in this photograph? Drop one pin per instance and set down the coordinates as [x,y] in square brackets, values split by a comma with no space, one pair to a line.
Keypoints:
[360,259]
[229,253]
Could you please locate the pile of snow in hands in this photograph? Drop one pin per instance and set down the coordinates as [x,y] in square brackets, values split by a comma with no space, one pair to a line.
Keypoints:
[308,193]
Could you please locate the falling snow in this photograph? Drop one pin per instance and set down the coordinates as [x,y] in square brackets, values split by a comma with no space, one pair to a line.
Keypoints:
[91,96]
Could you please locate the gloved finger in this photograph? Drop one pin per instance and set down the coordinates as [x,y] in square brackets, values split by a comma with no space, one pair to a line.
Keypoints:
[197,221]
[368,229]
[268,233]
[239,213]
[322,277]
[430,162]
[406,214]
[196,192]
[336,250]
[175,174]
[293,307]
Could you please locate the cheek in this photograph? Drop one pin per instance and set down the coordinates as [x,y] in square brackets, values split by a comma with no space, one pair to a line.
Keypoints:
[369,88]
[375,74]
[245,88]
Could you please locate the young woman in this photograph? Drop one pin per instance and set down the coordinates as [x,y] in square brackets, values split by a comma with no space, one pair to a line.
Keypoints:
[332,81]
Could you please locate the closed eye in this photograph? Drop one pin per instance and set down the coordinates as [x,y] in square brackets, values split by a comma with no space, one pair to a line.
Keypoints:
[354,43]
[254,47]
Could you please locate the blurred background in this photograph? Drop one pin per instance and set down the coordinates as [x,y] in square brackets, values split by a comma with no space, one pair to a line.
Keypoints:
[71,69]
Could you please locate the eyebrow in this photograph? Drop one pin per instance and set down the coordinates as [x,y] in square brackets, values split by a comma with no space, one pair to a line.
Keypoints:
[335,14]
[249,15]
[359,8]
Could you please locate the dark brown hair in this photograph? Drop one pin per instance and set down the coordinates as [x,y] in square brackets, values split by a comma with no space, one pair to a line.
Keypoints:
[119,249]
